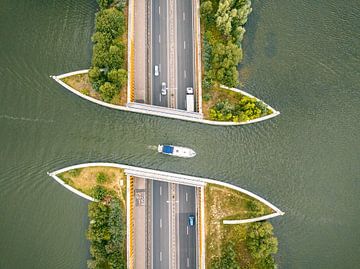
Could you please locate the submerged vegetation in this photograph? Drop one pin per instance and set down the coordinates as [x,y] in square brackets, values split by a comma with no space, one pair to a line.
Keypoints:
[245,246]
[108,73]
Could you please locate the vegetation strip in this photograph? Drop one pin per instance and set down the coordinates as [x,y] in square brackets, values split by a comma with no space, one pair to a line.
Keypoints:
[107,227]
[237,246]
[222,23]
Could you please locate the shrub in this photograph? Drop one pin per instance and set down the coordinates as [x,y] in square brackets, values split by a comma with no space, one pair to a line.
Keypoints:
[108,91]
[75,172]
[101,178]
[99,192]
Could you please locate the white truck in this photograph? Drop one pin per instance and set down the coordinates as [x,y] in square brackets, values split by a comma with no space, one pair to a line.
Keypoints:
[189,99]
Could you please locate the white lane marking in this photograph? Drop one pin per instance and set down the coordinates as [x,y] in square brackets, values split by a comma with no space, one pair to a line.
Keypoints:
[160,256]
[159,10]
[160,223]
[159,39]
[160,71]
[187,230]
[160,190]
[183,16]
[184,73]
[184,45]
[186,196]
[187,262]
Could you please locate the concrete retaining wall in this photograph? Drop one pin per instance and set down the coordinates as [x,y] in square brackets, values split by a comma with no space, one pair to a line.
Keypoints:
[177,178]
[157,113]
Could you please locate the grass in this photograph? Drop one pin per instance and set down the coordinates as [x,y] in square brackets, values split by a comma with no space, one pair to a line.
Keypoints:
[86,179]
[223,203]
[82,84]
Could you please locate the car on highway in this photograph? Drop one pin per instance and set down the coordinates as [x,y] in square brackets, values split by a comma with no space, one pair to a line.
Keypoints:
[156,72]
[163,88]
[191,220]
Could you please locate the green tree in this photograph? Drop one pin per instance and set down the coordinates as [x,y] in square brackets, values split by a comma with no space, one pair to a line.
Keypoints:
[108,91]
[94,73]
[206,10]
[227,259]
[262,243]
[110,21]
[118,77]
[104,3]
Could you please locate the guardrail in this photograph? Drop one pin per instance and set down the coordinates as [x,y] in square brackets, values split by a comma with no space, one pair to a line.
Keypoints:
[130,221]
[131,52]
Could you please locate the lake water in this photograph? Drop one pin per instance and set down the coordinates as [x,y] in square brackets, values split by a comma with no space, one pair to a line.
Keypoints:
[302,57]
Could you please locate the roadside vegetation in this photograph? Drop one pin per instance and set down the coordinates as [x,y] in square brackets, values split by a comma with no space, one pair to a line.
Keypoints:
[226,105]
[222,30]
[245,246]
[107,77]
[107,216]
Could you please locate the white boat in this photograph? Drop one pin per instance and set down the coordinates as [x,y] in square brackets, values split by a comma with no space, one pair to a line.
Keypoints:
[176,151]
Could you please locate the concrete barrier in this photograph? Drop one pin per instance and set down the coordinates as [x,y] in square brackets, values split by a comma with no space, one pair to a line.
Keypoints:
[180,179]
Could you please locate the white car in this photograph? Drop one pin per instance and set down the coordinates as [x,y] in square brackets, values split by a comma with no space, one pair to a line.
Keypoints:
[163,88]
[156,72]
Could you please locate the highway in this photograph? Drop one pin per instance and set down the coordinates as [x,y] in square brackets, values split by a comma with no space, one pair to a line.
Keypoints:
[187,233]
[185,50]
[160,209]
[159,50]
[160,47]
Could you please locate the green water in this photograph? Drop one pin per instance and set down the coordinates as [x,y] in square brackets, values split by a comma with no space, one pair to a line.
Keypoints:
[302,57]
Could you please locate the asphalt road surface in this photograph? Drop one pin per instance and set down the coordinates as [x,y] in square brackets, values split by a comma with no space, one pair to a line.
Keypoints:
[187,233]
[185,50]
[160,211]
[159,50]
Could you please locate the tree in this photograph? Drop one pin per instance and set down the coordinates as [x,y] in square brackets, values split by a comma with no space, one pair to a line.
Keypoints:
[227,259]
[118,77]
[206,10]
[94,73]
[108,91]
[110,21]
[262,243]
[104,3]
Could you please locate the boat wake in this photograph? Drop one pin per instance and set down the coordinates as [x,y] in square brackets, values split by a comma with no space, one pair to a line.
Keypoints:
[25,119]
[152,147]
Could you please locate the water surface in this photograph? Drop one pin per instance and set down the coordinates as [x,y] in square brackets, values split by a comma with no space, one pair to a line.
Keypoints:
[302,57]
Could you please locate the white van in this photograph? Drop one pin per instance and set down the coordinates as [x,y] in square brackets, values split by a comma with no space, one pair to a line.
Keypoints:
[156,73]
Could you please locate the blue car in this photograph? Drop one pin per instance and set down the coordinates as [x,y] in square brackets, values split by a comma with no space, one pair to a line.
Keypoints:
[191,220]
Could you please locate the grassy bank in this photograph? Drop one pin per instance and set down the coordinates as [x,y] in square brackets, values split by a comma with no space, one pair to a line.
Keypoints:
[82,84]
[107,228]
[236,246]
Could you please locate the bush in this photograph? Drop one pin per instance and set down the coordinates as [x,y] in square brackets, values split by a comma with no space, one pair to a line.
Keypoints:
[75,172]
[108,91]
[245,109]
[99,192]
[101,178]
